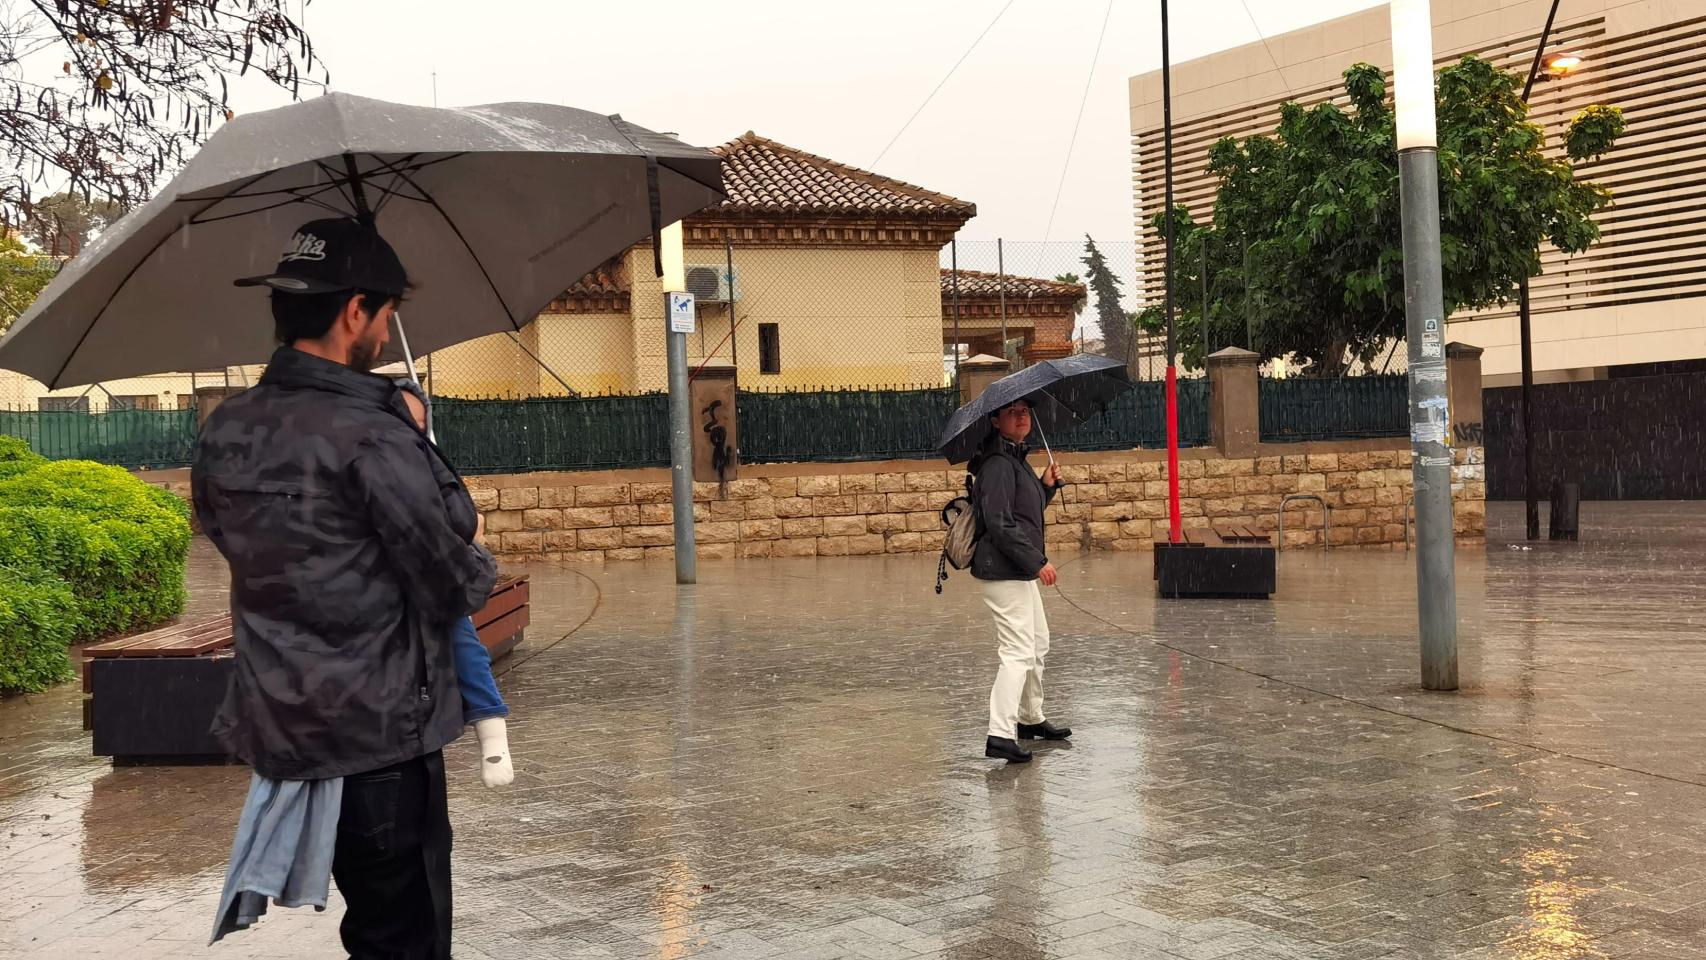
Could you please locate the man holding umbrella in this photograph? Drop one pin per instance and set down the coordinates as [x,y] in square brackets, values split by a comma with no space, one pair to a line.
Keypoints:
[345,578]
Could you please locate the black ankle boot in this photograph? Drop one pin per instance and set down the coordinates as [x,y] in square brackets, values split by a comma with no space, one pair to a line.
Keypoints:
[1043,731]
[1001,748]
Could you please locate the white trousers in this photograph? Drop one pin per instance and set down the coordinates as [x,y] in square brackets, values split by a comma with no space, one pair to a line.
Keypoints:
[1021,632]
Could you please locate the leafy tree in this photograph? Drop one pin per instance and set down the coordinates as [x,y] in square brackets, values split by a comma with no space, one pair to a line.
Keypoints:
[100,98]
[1306,256]
[23,274]
[1118,333]
[63,223]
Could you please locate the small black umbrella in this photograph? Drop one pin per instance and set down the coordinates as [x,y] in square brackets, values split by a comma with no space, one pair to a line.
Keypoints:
[1062,393]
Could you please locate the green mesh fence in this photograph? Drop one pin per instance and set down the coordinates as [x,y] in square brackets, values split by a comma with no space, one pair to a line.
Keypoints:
[558,433]
[1138,418]
[842,425]
[155,439]
[1296,409]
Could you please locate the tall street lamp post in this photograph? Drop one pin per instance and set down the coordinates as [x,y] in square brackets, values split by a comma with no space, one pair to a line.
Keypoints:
[1424,313]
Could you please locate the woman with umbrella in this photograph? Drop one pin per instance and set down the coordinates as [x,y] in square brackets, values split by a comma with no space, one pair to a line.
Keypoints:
[1011,560]
[1010,557]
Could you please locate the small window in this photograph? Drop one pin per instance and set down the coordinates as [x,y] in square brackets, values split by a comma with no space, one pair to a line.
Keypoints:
[186,401]
[769,348]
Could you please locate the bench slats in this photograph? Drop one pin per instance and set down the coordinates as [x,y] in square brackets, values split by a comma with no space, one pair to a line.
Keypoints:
[157,639]
[503,600]
[1240,533]
[510,594]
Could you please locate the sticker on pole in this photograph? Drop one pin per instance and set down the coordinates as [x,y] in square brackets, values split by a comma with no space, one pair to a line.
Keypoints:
[682,318]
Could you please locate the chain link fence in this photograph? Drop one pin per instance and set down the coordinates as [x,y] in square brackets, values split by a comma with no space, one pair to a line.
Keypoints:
[843,350]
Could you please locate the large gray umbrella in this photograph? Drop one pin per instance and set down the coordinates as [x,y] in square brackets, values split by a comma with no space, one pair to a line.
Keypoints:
[495,210]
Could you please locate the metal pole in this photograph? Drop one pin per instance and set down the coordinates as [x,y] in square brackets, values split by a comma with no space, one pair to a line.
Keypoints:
[954,270]
[1249,327]
[1424,313]
[1530,474]
[1531,480]
[1207,341]
[1175,531]
[1001,272]
[734,335]
[680,454]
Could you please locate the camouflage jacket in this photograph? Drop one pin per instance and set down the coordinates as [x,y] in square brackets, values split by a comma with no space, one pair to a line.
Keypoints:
[346,574]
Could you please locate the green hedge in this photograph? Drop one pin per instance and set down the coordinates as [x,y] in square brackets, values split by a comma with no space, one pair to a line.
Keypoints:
[86,550]
[36,628]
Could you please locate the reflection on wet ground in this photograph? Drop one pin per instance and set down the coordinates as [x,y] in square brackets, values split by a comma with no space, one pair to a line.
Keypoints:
[784,762]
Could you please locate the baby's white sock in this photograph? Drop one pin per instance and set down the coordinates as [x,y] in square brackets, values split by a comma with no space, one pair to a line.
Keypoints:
[495,767]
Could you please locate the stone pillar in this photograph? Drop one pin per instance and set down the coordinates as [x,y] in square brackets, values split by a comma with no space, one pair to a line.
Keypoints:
[712,399]
[978,373]
[208,399]
[1463,386]
[1234,412]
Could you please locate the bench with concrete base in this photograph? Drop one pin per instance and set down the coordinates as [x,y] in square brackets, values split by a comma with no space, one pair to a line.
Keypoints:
[1232,560]
[151,698]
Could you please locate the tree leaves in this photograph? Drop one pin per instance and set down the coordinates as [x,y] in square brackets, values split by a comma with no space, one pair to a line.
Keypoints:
[149,81]
[1117,331]
[1305,257]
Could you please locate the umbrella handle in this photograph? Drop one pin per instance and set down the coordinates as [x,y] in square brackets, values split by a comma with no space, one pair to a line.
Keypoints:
[409,361]
[1044,434]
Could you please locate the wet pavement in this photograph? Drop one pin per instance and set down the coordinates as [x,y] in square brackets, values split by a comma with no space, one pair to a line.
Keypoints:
[786,763]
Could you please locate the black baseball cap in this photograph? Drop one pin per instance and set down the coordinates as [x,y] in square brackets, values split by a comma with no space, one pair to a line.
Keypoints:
[327,256]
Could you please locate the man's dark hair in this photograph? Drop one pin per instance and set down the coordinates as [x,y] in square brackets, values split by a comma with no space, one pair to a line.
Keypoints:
[308,316]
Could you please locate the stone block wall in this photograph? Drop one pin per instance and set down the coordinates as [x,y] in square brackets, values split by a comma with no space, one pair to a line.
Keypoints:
[1113,501]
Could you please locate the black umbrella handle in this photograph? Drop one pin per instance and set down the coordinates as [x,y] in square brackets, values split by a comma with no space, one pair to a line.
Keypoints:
[358,196]
[655,201]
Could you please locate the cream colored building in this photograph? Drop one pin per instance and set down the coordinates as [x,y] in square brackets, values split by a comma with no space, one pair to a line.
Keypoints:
[165,391]
[836,284]
[1636,297]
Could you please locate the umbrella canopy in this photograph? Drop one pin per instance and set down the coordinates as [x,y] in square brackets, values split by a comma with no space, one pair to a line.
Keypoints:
[494,210]
[1062,393]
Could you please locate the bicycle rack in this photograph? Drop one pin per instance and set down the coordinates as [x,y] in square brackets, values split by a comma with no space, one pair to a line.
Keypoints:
[1326,518]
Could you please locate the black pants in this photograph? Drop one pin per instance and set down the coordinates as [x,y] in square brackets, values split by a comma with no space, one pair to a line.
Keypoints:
[393,862]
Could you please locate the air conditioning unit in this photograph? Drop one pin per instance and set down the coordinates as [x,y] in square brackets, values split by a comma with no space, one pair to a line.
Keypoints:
[713,284]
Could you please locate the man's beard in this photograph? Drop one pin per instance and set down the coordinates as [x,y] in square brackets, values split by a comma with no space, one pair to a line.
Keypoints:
[364,354]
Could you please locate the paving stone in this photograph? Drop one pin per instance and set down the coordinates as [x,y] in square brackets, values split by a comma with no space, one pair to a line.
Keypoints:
[784,761]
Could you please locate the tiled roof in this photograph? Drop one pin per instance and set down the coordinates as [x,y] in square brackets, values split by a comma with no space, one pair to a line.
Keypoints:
[605,288]
[603,281]
[762,176]
[974,283]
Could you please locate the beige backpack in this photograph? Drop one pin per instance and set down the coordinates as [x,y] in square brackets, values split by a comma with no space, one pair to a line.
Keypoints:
[960,517]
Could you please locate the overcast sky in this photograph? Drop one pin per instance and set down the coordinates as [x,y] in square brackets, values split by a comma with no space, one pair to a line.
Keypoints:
[835,79]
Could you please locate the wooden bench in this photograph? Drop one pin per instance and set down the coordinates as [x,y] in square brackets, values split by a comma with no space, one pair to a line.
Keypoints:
[1241,533]
[152,697]
[502,622]
[1227,561]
